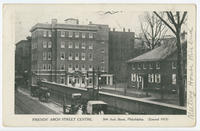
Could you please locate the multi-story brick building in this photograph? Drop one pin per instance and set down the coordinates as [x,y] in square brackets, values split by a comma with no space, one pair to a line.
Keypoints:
[64,53]
[157,68]
[22,60]
[123,46]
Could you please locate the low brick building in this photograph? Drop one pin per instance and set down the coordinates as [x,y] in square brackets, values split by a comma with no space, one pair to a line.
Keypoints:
[157,68]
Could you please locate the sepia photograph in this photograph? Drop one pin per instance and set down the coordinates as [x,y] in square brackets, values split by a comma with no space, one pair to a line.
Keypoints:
[103,61]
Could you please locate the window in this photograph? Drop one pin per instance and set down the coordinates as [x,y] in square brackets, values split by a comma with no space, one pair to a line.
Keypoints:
[83,45]
[49,44]
[76,67]
[139,66]
[49,33]
[139,78]
[151,66]
[157,78]
[44,44]
[173,79]
[157,65]
[70,45]
[44,33]
[70,67]
[49,67]
[62,44]
[133,66]
[133,77]
[83,34]
[90,57]
[90,68]
[102,60]
[70,34]
[83,67]
[62,55]
[44,56]
[150,78]
[49,55]
[76,56]
[102,68]
[82,56]
[76,45]
[90,35]
[62,80]
[173,65]
[62,67]
[62,34]
[90,46]
[90,80]
[44,67]
[83,80]
[76,34]
[102,51]
[70,57]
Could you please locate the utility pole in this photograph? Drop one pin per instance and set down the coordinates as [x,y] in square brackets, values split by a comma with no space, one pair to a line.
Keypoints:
[98,78]
[93,81]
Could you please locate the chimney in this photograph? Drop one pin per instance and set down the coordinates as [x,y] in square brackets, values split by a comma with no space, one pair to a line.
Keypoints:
[129,30]
[124,30]
[113,29]
[53,22]
[77,21]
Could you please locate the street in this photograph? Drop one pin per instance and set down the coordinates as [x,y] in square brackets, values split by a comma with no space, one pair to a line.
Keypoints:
[25,104]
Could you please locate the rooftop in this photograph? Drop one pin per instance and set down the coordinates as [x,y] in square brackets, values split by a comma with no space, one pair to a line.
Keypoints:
[64,26]
[158,53]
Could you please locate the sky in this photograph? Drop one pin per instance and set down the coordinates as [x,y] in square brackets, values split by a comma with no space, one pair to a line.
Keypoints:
[116,16]
[25,18]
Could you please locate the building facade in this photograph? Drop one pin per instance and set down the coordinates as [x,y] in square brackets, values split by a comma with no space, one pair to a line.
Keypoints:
[123,45]
[157,68]
[68,53]
[23,61]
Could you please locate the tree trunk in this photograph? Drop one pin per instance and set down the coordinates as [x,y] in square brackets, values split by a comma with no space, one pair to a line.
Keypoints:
[180,82]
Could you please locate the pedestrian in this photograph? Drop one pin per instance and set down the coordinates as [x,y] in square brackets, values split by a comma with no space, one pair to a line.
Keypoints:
[80,111]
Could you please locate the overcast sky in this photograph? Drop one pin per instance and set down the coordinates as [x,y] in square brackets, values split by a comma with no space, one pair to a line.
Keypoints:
[122,19]
[117,16]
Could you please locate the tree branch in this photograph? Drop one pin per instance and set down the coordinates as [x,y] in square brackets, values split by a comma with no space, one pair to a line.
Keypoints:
[183,18]
[164,22]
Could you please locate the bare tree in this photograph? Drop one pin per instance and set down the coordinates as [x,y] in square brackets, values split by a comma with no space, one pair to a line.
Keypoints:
[174,22]
[153,30]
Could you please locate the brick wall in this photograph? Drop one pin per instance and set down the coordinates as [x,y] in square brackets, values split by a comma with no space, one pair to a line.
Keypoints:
[116,102]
